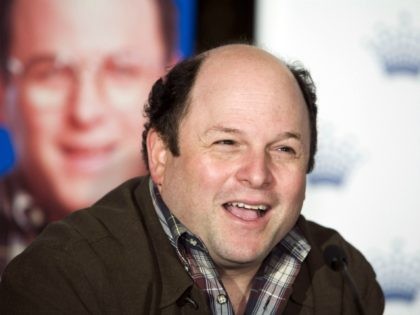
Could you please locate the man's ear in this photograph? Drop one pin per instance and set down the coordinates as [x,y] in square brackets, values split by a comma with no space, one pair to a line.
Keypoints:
[157,154]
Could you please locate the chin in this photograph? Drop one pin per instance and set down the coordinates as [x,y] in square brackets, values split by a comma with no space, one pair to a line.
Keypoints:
[243,258]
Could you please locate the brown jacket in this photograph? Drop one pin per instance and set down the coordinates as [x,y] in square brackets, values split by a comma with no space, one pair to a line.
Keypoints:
[114,258]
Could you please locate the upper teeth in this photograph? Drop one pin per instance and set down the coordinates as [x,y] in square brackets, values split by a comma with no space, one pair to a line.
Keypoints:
[243,205]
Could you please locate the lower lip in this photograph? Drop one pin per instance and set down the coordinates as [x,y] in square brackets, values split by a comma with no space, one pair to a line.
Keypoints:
[257,220]
[87,162]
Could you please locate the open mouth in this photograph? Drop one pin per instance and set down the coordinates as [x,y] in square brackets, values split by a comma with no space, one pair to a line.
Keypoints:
[245,211]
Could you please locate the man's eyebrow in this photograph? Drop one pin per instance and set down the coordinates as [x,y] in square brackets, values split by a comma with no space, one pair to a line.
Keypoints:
[288,134]
[222,129]
[280,136]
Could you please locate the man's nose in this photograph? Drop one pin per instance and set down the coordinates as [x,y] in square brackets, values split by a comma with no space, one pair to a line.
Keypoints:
[86,106]
[255,170]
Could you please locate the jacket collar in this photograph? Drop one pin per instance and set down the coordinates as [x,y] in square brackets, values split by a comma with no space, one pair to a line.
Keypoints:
[315,281]
[176,283]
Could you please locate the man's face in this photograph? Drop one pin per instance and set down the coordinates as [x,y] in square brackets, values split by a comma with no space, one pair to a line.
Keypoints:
[76,111]
[239,182]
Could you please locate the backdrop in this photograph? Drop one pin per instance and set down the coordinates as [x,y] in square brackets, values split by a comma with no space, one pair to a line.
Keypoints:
[365,59]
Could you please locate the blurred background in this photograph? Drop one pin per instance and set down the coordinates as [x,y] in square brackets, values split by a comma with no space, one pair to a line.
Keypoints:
[364,57]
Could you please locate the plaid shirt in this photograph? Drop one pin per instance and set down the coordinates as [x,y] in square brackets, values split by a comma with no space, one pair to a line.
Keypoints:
[272,284]
[20,220]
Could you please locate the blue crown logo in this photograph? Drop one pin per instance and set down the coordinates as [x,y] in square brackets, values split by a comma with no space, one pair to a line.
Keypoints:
[398,48]
[335,159]
[399,275]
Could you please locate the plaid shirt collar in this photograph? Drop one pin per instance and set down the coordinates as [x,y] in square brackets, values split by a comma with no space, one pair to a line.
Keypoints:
[272,284]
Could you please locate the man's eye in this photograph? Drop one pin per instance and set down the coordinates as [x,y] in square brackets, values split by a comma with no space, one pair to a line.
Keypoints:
[48,73]
[286,149]
[122,69]
[225,142]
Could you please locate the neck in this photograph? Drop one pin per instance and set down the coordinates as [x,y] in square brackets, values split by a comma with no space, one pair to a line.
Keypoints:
[238,283]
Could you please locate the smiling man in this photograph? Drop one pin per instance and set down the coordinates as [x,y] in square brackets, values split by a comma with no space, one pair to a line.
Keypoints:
[74,77]
[216,228]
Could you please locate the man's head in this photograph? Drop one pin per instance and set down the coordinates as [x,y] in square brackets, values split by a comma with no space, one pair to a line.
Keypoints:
[230,138]
[75,74]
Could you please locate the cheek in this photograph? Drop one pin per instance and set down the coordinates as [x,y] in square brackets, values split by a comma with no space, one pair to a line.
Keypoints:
[31,128]
[211,173]
[44,126]
[293,186]
[196,176]
[299,190]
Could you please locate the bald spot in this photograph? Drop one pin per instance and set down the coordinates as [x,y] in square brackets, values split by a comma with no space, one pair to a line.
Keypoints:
[242,66]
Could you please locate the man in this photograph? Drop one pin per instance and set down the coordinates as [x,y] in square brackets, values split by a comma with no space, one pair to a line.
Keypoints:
[216,228]
[75,74]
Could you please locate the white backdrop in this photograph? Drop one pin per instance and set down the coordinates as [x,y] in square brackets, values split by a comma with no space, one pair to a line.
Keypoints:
[365,60]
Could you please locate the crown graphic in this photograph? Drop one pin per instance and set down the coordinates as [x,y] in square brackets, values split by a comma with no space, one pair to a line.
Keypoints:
[398,48]
[335,159]
[399,275]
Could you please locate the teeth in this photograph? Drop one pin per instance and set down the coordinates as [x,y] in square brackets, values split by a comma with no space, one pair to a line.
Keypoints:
[249,207]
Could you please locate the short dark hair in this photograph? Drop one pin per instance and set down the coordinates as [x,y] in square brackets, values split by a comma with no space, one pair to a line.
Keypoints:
[169,101]
[168,24]
[307,87]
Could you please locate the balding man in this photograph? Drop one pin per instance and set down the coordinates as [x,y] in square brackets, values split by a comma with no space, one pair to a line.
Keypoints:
[216,228]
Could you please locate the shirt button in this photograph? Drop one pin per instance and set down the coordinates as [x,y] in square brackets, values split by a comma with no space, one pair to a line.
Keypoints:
[187,269]
[221,299]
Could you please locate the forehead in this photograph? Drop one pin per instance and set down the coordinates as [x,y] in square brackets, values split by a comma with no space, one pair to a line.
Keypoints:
[247,90]
[45,26]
